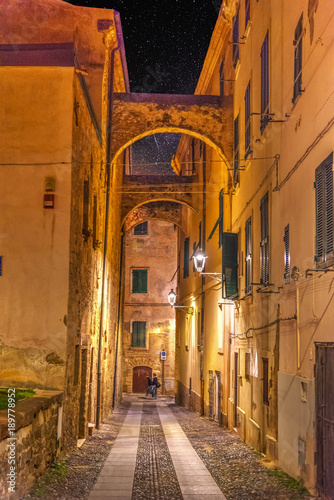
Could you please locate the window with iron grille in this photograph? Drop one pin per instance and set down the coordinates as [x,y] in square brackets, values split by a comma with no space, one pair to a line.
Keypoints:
[140,228]
[265,83]
[138,337]
[186,258]
[247,12]
[235,39]
[247,121]
[248,255]
[264,208]
[139,280]
[236,149]
[265,380]
[298,43]
[286,254]
[221,78]
[324,212]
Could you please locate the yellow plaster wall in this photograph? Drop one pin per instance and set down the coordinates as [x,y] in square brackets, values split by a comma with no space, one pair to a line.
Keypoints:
[35,138]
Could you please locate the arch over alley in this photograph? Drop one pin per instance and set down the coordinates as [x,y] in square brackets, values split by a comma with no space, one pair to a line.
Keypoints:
[208,118]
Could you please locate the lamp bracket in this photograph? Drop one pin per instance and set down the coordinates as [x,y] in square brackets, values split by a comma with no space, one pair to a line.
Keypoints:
[215,276]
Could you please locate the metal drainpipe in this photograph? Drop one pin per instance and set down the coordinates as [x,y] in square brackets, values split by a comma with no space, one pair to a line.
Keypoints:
[108,168]
[203,281]
[118,317]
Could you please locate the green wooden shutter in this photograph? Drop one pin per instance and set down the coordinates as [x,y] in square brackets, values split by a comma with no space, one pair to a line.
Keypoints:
[230,264]
[236,149]
[138,334]
[139,281]
[221,217]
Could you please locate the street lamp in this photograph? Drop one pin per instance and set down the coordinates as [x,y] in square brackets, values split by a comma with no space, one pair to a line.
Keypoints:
[172,299]
[199,261]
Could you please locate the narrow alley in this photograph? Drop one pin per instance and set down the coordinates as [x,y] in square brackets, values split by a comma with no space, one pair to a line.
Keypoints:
[155,450]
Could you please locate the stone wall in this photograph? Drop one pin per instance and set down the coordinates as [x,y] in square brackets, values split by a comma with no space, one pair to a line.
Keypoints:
[38,441]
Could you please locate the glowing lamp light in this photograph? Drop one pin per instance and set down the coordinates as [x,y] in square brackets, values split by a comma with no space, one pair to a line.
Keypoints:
[172,297]
[199,261]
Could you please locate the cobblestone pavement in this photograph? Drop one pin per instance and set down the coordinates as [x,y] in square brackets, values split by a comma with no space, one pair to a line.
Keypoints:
[237,469]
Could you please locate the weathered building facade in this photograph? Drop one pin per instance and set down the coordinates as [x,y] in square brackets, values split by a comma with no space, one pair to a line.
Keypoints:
[149,320]
[60,200]
[258,352]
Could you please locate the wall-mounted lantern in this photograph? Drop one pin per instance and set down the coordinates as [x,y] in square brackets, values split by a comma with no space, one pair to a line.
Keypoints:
[172,299]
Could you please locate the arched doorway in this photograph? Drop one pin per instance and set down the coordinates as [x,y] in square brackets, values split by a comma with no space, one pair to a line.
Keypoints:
[139,378]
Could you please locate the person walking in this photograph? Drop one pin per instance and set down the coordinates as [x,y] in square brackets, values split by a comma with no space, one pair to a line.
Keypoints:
[155,386]
[150,386]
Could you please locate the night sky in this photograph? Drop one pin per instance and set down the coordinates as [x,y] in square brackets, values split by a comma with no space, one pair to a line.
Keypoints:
[165,43]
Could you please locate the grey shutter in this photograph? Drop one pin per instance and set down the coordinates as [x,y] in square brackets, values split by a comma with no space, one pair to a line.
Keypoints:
[324,210]
[287,254]
[265,381]
[264,240]
[248,255]
[247,12]
[264,83]
[230,264]
[247,122]
[298,43]
[236,149]
[235,36]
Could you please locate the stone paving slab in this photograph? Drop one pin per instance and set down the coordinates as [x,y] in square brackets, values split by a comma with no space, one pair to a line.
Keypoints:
[116,478]
[186,462]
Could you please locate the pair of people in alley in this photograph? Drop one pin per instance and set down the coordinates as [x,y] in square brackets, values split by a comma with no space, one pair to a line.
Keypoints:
[152,385]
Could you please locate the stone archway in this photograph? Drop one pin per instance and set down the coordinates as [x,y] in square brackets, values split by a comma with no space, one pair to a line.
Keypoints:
[167,211]
[209,118]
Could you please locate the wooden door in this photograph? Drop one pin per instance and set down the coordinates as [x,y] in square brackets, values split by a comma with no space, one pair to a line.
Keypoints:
[324,391]
[139,378]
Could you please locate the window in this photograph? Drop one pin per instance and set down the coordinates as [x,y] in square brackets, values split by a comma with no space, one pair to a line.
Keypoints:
[141,228]
[265,83]
[264,240]
[235,40]
[324,212]
[236,149]
[230,265]
[248,255]
[139,281]
[247,365]
[221,78]
[265,381]
[298,43]
[286,254]
[247,12]
[138,338]
[186,258]
[247,122]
